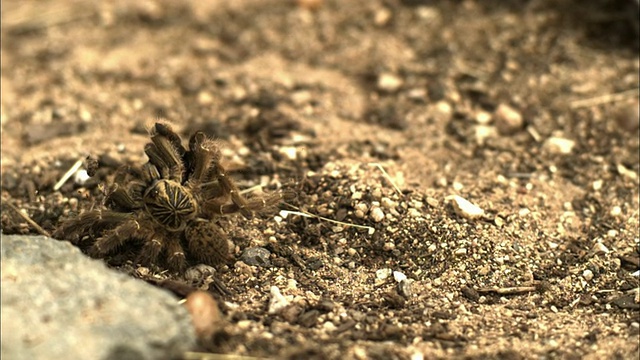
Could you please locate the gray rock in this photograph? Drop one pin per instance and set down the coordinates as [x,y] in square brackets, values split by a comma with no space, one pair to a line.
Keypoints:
[256,256]
[59,304]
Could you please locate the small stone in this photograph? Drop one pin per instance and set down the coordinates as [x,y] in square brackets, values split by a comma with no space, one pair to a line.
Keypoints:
[558,145]
[205,98]
[205,313]
[413,212]
[398,276]
[301,97]
[461,251]
[483,118]
[389,82]
[81,176]
[256,256]
[465,208]
[388,203]
[615,211]
[277,301]
[599,249]
[507,119]
[627,116]
[587,275]
[484,132]
[382,17]
[597,185]
[377,214]
[198,273]
[290,152]
[630,174]
[383,274]
[405,288]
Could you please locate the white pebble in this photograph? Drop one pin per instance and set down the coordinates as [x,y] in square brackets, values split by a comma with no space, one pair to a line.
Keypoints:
[461,251]
[465,208]
[389,82]
[277,301]
[558,145]
[377,214]
[398,276]
[382,274]
[413,212]
[388,203]
[587,275]
[81,177]
[615,211]
[507,119]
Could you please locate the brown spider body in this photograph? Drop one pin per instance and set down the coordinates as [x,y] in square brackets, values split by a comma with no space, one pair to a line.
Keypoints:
[170,204]
[166,209]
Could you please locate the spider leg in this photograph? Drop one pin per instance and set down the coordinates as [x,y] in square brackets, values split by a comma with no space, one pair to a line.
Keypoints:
[114,238]
[149,174]
[155,158]
[205,152]
[88,223]
[151,249]
[169,149]
[120,199]
[229,187]
[207,243]
[166,131]
[257,203]
[176,259]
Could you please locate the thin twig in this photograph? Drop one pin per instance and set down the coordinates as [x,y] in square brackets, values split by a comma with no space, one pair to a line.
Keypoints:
[605,99]
[307,214]
[28,219]
[508,290]
[67,175]
[387,176]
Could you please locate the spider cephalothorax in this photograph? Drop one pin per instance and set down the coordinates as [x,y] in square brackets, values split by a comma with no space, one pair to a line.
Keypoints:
[166,208]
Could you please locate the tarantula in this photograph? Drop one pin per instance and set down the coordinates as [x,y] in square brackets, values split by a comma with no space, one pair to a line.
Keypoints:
[166,208]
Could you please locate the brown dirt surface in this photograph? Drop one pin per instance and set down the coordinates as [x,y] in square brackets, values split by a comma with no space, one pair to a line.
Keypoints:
[527,109]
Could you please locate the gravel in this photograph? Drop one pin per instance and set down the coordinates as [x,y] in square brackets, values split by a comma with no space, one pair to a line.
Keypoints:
[59,304]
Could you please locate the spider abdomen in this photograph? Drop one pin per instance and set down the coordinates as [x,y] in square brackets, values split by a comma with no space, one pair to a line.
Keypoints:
[170,204]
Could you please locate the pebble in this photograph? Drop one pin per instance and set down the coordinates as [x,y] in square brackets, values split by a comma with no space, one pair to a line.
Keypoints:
[627,116]
[587,275]
[382,17]
[277,302]
[461,251]
[559,145]
[377,214]
[205,314]
[398,276]
[413,212]
[483,117]
[507,119]
[405,288]
[383,274]
[256,256]
[615,211]
[484,132]
[389,82]
[388,203]
[58,297]
[465,208]
[81,176]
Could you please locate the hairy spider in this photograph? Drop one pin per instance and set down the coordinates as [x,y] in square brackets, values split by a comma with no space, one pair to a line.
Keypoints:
[166,209]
